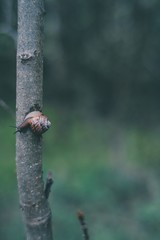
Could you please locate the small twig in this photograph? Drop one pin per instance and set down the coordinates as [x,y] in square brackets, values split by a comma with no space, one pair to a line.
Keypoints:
[81,218]
[48,185]
[7,30]
[5,106]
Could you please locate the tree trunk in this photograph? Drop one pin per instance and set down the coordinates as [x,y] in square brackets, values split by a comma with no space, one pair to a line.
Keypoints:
[34,205]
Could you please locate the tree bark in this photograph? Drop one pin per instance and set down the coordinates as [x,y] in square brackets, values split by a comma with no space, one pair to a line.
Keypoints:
[35,209]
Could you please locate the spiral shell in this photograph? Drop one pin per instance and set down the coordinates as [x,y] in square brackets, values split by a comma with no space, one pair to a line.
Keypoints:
[36,121]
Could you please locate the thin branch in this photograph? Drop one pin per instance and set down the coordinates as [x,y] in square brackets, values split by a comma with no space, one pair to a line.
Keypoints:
[6,107]
[8,30]
[81,218]
[49,182]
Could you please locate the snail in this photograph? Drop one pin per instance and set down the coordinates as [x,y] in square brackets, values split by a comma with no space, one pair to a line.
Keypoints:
[36,121]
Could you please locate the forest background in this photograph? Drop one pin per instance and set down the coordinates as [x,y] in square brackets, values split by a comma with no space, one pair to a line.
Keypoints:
[102,94]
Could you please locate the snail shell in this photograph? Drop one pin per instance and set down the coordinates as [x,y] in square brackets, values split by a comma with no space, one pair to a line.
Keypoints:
[36,121]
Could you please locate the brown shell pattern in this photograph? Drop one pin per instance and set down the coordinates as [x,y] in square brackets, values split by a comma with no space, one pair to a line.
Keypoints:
[38,123]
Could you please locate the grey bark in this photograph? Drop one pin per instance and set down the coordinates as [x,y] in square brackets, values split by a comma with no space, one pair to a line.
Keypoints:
[35,209]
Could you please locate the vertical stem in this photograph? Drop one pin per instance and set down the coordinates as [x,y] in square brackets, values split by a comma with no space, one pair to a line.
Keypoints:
[35,210]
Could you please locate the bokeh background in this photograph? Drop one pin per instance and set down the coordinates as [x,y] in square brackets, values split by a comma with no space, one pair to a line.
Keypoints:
[102,94]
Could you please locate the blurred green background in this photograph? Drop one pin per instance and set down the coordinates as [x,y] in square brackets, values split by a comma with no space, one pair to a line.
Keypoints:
[102,94]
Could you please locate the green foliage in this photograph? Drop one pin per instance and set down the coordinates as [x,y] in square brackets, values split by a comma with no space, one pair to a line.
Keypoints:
[104,175]
[101,59]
